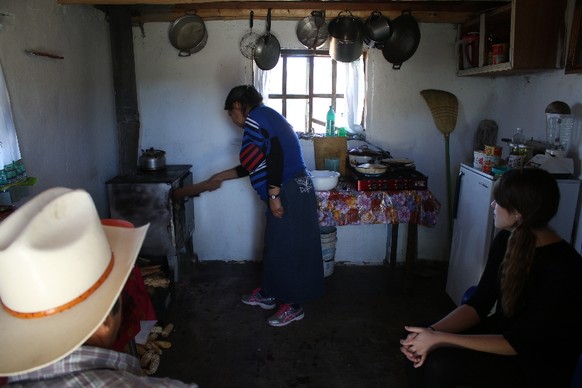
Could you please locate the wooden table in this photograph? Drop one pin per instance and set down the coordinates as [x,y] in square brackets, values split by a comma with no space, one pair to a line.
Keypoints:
[345,205]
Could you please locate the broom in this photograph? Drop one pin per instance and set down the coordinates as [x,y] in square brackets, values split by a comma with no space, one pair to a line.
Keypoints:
[444,107]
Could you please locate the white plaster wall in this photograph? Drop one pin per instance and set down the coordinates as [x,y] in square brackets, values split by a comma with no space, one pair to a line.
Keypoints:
[64,110]
[181,102]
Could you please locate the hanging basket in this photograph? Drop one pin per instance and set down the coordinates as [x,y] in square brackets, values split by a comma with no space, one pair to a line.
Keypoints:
[444,107]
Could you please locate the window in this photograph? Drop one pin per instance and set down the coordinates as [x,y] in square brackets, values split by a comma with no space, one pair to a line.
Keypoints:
[304,84]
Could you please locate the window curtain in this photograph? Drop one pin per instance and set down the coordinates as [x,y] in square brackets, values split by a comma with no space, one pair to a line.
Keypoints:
[261,82]
[355,93]
[11,166]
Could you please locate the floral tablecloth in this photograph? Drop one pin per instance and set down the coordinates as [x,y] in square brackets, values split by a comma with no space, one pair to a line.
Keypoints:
[345,205]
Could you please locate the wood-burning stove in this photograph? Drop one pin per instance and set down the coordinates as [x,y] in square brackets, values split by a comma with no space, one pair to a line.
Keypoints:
[145,197]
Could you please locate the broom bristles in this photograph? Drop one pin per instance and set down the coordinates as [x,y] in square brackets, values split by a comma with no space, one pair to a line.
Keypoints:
[444,108]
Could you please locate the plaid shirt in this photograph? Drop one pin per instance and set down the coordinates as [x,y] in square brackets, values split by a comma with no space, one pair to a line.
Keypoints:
[90,366]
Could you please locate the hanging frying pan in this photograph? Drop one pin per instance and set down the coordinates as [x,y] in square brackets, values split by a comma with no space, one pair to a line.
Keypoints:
[404,40]
[188,34]
[268,48]
[249,40]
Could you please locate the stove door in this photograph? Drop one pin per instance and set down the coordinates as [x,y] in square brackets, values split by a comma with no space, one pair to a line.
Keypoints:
[142,203]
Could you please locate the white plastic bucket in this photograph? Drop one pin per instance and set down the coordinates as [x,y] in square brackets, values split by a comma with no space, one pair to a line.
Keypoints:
[328,240]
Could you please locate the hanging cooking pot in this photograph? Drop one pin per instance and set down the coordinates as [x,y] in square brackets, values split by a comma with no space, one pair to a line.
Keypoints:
[346,38]
[404,40]
[152,160]
[312,30]
[377,30]
[188,34]
[268,49]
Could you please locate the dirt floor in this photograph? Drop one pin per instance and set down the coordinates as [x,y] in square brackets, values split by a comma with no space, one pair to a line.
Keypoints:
[348,338]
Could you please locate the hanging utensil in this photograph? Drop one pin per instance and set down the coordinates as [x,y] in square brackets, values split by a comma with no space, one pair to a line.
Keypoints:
[268,48]
[249,40]
[347,37]
[312,30]
[187,34]
[377,30]
[404,40]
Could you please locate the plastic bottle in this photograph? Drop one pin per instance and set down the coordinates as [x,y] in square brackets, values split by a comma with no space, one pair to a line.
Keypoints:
[342,125]
[330,122]
[518,150]
[518,137]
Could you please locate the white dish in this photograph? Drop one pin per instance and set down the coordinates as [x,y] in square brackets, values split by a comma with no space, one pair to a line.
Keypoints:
[371,169]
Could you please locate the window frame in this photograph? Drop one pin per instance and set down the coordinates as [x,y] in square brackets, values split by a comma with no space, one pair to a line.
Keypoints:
[310,96]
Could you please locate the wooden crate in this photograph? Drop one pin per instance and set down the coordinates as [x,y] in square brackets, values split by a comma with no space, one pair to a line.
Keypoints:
[330,147]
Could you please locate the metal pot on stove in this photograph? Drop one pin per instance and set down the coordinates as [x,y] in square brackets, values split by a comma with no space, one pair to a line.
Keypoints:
[364,154]
[152,159]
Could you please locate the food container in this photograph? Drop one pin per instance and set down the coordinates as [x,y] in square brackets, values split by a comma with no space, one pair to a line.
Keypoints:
[493,150]
[478,159]
[324,180]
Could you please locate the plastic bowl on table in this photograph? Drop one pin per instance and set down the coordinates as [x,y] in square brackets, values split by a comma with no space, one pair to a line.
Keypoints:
[324,180]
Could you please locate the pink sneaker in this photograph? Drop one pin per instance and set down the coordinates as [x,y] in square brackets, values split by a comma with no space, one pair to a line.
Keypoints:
[285,315]
[256,298]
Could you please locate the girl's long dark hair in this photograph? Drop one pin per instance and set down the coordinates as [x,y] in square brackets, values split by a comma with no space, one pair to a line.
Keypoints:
[534,194]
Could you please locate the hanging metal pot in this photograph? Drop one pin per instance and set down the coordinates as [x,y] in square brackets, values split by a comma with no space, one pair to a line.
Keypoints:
[312,30]
[404,40]
[268,49]
[188,34]
[377,30]
[346,38]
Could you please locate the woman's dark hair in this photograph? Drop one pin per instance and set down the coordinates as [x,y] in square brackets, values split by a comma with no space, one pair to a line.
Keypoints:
[534,194]
[246,95]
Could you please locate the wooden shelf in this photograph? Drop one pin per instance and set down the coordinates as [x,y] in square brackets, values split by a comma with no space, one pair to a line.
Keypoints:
[533,31]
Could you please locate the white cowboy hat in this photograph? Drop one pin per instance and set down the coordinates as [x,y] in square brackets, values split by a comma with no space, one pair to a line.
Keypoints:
[61,272]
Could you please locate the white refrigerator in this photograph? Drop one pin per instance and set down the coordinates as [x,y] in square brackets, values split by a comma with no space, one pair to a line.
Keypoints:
[473,227]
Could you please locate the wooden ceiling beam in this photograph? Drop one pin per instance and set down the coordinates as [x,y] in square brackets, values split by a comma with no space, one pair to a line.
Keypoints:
[168,10]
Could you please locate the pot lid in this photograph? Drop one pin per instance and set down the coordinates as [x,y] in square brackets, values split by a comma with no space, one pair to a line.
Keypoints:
[152,153]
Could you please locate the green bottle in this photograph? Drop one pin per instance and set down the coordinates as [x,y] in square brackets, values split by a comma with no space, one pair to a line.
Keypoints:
[330,122]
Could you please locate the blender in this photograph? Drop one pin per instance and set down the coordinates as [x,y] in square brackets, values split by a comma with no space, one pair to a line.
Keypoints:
[559,124]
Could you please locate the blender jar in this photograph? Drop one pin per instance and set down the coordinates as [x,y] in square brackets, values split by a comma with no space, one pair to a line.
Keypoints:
[559,131]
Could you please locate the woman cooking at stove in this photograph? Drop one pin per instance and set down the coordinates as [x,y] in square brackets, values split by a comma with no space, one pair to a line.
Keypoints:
[534,336]
[271,156]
